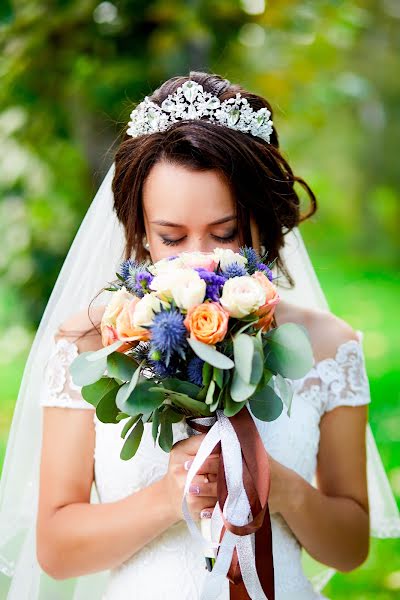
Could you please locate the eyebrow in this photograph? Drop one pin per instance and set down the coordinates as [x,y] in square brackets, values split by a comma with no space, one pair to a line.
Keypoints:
[218,222]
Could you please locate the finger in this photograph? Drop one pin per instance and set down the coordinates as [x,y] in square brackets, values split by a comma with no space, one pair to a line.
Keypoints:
[203,489]
[210,465]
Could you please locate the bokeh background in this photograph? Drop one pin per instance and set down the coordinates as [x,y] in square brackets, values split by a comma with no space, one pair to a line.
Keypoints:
[70,71]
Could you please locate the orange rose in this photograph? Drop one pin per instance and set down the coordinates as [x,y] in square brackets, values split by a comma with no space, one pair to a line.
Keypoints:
[266,311]
[207,322]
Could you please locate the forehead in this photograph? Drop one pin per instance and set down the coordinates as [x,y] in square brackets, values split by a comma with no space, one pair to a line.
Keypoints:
[179,194]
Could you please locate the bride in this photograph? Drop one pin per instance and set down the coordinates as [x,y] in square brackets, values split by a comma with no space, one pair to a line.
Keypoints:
[79,522]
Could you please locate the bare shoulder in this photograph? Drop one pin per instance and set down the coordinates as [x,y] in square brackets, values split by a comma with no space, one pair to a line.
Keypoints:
[83,328]
[327,331]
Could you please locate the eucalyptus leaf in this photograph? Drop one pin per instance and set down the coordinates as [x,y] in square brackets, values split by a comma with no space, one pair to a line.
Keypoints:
[84,372]
[132,442]
[243,350]
[120,366]
[105,351]
[257,363]
[288,351]
[285,392]
[265,404]
[239,389]
[183,387]
[126,389]
[94,392]
[210,354]
[141,399]
[207,372]
[106,410]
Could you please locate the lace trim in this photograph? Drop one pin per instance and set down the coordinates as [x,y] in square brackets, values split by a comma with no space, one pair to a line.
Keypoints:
[60,389]
[337,381]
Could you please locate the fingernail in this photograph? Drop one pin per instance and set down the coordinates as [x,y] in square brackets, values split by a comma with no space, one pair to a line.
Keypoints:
[206,513]
[187,464]
[194,489]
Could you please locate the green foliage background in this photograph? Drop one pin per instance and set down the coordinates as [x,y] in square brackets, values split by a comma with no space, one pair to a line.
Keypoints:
[70,72]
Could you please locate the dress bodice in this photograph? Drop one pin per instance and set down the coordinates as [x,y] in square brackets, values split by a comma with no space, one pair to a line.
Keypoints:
[172,565]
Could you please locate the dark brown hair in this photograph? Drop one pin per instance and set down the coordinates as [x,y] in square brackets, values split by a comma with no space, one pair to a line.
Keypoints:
[261,180]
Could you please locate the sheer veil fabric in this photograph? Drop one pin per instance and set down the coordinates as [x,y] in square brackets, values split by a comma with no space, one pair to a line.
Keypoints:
[92,260]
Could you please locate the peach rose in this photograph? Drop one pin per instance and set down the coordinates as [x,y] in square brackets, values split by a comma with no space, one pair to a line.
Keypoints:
[203,260]
[266,311]
[207,322]
[125,328]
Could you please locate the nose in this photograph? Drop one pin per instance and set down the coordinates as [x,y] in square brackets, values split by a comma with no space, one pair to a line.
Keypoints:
[200,244]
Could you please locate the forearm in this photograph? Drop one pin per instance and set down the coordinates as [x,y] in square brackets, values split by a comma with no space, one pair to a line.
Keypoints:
[333,530]
[85,538]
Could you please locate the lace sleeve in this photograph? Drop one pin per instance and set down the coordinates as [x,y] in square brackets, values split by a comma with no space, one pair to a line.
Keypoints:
[59,389]
[344,378]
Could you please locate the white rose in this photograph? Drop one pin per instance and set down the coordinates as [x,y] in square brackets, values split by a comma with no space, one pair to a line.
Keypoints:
[187,287]
[242,296]
[115,305]
[226,256]
[165,265]
[145,309]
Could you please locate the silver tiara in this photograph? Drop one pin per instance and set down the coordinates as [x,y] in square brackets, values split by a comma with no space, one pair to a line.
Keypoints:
[190,101]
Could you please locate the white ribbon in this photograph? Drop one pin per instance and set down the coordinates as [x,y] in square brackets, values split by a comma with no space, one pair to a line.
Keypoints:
[236,510]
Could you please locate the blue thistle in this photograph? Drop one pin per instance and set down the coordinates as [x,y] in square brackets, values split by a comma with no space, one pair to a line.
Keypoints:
[128,267]
[252,258]
[265,269]
[161,369]
[168,334]
[234,270]
[195,370]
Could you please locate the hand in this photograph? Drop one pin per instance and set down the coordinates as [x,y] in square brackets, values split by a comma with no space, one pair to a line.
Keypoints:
[182,452]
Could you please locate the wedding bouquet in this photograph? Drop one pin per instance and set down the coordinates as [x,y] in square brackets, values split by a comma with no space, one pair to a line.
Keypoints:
[190,338]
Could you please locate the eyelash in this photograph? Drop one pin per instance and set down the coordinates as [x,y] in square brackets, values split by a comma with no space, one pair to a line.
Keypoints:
[222,240]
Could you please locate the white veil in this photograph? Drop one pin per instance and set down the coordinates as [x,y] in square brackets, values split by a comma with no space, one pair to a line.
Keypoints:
[93,258]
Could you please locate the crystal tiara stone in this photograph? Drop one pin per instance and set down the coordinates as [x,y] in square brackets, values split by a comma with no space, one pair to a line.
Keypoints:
[190,101]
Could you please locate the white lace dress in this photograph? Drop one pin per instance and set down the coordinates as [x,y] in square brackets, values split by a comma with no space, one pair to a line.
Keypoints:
[172,566]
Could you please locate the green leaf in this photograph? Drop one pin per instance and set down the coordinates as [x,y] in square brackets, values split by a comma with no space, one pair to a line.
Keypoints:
[257,364]
[210,392]
[265,404]
[105,351]
[142,399]
[94,392]
[84,372]
[132,442]
[210,354]
[240,390]
[207,374]
[120,366]
[155,423]
[106,410]
[131,421]
[165,439]
[188,403]
[288,351]
[122,416]
[285,392]
[218,376]
[126,389]
[231,407]
[183,387]
[243,350]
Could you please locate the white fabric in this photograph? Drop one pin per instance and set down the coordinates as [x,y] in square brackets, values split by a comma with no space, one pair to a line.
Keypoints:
[92,260]
[293,441]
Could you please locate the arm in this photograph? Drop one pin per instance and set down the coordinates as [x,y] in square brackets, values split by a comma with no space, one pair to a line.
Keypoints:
[332,522]
[75,537]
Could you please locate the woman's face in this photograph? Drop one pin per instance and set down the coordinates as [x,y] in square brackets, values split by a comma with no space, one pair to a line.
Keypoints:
[187,210]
